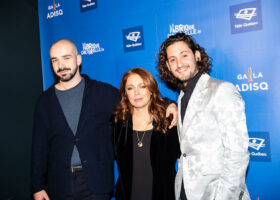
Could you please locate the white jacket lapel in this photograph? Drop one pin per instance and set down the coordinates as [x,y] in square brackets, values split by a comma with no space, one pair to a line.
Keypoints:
[180,124]
[195,103]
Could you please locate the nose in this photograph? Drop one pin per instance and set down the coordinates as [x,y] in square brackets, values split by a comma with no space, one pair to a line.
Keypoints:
[137,91]
[60,64]
[179,63]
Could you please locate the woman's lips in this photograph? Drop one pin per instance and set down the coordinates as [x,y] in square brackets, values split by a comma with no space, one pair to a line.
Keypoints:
[138,99]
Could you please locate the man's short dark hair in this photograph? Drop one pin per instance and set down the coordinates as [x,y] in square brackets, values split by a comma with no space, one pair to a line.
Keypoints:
[203,64]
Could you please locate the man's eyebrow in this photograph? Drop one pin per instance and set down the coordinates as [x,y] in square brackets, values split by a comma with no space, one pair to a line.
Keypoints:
[170,57]
[179,53]
[67,55]
[183,51]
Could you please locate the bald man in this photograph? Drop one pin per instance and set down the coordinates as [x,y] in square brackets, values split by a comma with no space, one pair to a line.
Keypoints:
[72,155]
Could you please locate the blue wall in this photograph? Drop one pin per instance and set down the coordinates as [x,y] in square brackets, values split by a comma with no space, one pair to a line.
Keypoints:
[241,36]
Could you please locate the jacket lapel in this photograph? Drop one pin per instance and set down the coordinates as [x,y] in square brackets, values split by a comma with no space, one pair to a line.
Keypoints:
[124,152]
[180,124]
[61,115]
[83,112]
[195,103]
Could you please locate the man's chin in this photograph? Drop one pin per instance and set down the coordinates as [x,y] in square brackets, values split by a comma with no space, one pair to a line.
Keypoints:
[183,79]
[65,79]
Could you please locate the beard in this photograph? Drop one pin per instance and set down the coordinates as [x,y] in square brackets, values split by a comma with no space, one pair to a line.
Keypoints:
[184,78]
[66,77]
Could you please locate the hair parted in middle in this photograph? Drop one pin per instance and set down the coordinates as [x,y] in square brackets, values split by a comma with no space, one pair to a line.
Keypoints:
[124,110]
[203,65]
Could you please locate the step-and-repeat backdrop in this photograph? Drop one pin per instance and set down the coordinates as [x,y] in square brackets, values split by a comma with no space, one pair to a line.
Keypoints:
[242,37]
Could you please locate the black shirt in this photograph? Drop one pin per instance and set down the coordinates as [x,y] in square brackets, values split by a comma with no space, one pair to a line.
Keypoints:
[142,175]
[188,90]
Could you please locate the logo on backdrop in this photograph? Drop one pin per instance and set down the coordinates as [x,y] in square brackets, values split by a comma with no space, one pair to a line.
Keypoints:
[133,39]
[246,17]
[54,9]
[91,48]
[251,81]
[259,146]
[246,13]
[88,5]
[189,29]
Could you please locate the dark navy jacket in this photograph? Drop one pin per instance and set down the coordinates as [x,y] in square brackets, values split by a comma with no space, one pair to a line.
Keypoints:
[53,141]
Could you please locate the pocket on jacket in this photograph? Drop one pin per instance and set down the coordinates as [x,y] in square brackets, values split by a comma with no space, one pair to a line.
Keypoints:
[105,168]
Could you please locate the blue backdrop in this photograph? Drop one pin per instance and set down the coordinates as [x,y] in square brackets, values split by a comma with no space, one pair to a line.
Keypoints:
[241,36]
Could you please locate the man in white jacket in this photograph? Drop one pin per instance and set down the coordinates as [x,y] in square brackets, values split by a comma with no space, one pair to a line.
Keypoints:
[211,125]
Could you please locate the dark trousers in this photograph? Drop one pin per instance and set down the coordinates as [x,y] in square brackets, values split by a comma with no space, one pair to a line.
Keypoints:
[183,193]
[80,190]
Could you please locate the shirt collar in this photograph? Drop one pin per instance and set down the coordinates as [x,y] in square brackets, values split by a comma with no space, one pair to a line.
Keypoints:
[191,83]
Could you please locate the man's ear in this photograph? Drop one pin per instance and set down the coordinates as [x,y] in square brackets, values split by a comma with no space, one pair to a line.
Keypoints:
[197,56]
[79,59]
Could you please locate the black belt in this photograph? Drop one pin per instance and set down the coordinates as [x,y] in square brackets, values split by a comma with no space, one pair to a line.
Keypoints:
[76,168]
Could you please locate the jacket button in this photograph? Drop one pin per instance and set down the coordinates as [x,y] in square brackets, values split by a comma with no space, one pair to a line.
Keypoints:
[77,139]
[184,154]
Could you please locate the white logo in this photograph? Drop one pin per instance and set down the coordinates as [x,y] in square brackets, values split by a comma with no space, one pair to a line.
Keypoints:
[54,10]
[188,29]
[256,143]
[88,4]
[91,48]
[251,81]
[246,13]
[133,36]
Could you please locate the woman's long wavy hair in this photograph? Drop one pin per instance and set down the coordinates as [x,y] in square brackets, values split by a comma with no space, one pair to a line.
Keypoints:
[124,110]
[203,65]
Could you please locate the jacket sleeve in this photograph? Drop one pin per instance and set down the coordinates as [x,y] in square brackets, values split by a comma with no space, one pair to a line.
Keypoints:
[113,135]
[39,152]
[115,130]
[173,144]
[232,124]
[168,101]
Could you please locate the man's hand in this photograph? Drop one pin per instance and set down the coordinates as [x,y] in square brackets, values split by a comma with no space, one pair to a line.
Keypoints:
[172,110]
[41,195]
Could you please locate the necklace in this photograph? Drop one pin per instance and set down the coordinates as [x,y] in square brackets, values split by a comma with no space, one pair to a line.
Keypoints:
[140,142]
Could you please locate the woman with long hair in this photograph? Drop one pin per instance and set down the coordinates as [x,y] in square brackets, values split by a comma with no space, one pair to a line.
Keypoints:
[146,150]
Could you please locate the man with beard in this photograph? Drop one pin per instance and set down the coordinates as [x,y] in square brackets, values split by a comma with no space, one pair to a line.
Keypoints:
[211,125]
[72,154]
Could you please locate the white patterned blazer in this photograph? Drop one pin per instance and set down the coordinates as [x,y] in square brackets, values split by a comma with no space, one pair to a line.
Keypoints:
[214,143]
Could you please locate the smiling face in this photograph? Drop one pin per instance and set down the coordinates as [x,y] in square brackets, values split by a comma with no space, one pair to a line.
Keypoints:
[65,60]
[181,61]
[137,92]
